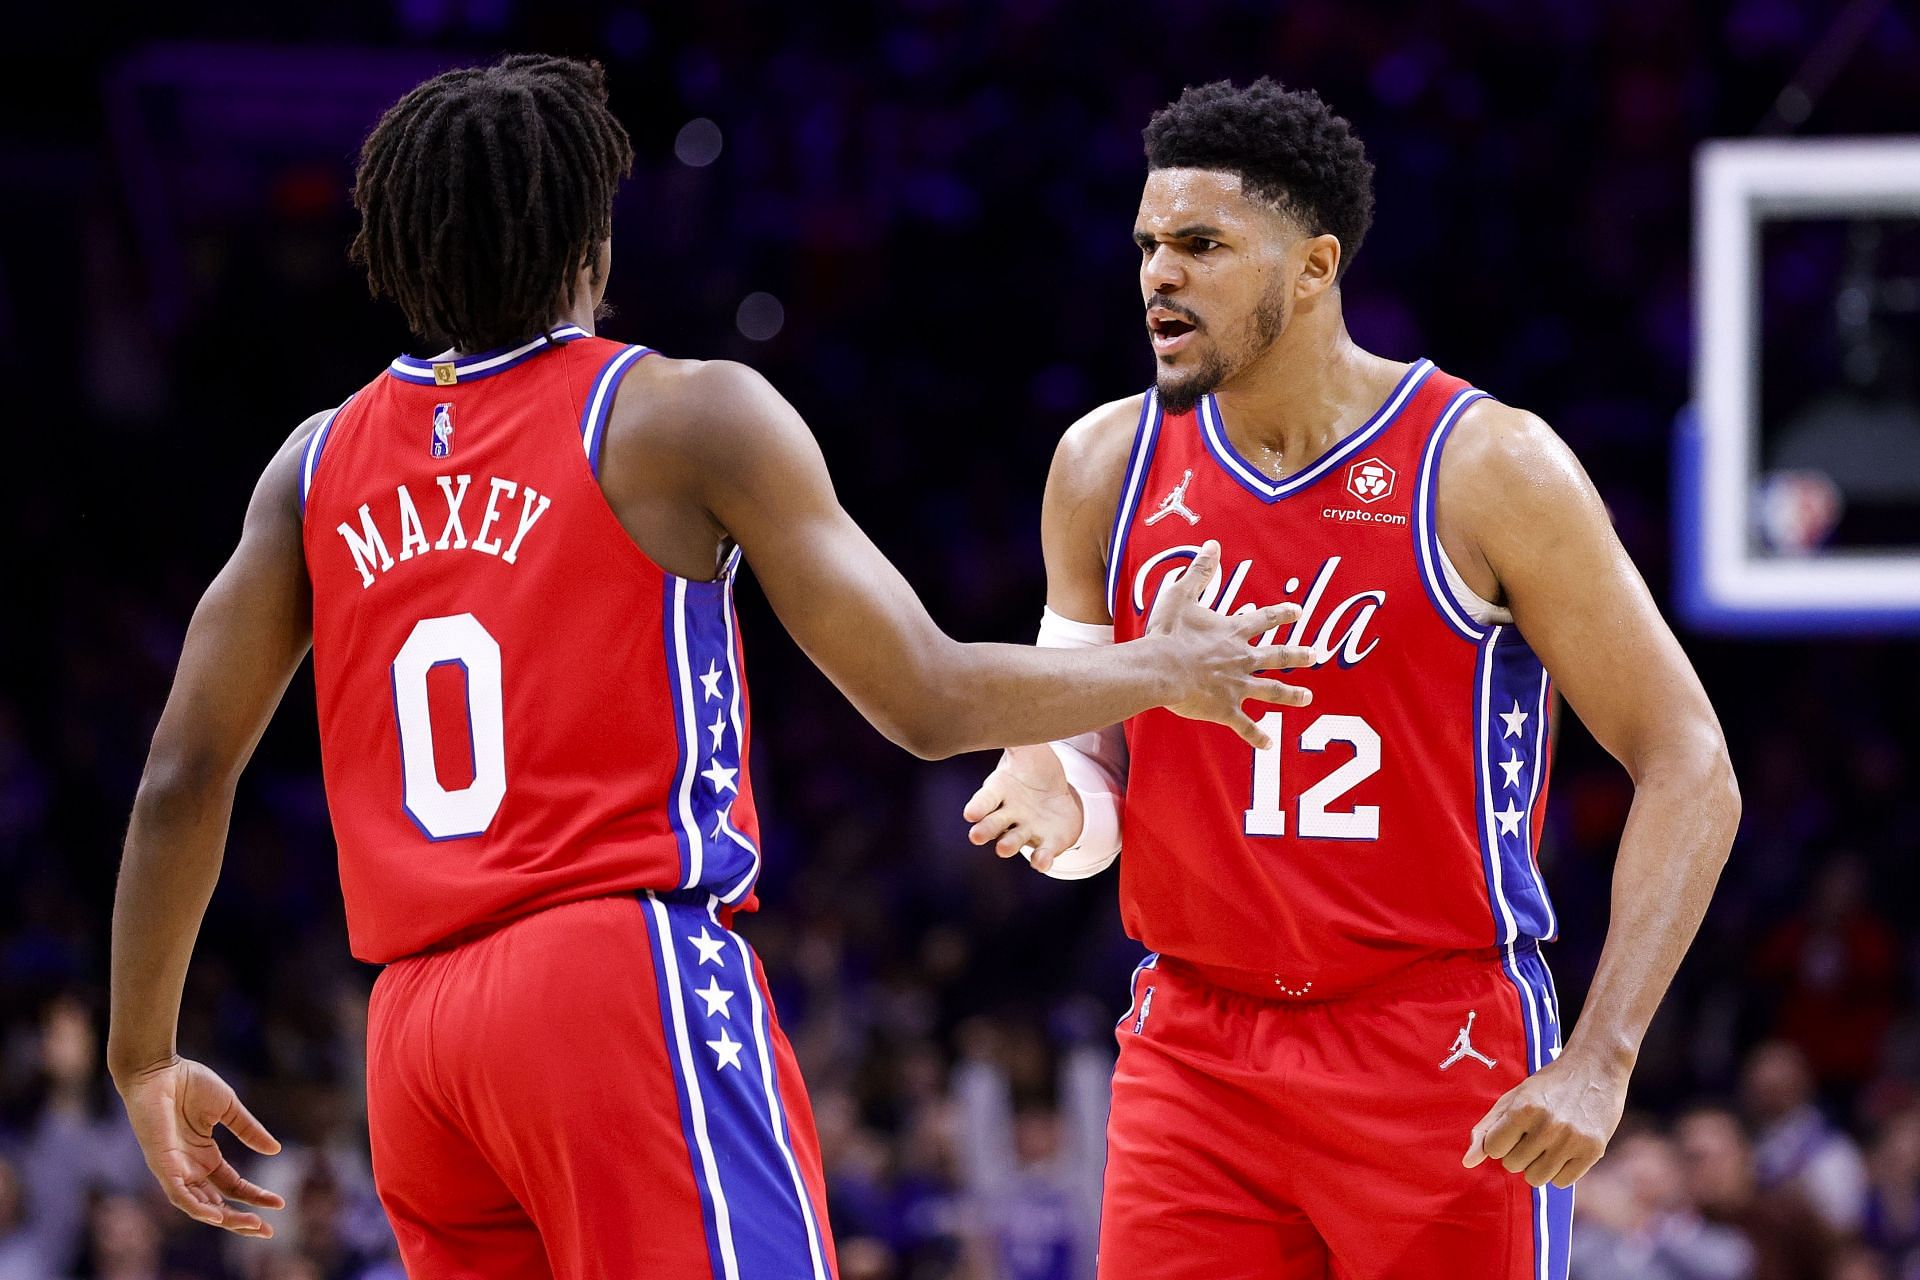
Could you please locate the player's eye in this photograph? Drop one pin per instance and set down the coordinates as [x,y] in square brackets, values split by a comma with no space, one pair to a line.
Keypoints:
[1200,244]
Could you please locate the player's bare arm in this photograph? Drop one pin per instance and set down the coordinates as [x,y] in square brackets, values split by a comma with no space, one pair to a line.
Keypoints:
[704,452]
[1026,801]
[248,636]
[1525,527]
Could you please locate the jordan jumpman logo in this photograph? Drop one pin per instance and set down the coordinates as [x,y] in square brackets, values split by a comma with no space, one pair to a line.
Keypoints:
[1463,1046]
[1175,503]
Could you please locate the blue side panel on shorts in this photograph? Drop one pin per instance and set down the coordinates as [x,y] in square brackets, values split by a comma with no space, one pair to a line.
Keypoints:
[1540,1015]
[759,1216]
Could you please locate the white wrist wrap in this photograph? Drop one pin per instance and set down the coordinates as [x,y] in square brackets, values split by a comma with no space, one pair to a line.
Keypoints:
[1095,765]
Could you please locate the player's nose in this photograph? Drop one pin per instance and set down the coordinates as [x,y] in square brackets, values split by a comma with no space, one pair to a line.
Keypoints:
[1160,271]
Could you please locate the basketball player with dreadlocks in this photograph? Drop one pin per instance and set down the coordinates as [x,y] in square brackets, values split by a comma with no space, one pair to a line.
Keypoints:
[1345,1059]
[514,563]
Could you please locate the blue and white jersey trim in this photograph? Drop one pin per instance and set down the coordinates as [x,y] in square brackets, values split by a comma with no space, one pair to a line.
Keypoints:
[593,418]
[483,364]
[315,443]
[757,1211]
[1139,461]
[703,665]
[1540,1018]
[1426,534]
[1214,435]
[1510,765]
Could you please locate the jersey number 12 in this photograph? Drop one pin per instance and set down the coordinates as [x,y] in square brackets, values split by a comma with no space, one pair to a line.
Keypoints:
[1266,817]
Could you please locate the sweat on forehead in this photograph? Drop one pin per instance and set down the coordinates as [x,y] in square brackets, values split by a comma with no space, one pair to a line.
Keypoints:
[1206,197]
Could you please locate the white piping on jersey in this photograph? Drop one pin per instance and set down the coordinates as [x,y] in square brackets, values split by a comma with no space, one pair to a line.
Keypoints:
[315,443]
[1216,434]
[603,385]
[1143,435]
[1441,579]
[466,367]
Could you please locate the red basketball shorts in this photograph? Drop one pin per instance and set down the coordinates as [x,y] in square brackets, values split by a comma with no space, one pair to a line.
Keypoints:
[1322,1140]
[595,1090]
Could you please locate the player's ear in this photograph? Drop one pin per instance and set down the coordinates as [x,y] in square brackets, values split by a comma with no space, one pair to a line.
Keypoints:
[1319,258]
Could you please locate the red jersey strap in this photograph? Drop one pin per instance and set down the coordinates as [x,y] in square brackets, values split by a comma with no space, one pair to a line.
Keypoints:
[315,443]
[599,407]
[1452,398]
[1139,461]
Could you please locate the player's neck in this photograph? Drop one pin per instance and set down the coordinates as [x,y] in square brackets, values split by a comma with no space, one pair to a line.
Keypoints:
[578,310]
[1301,397]
[579,313]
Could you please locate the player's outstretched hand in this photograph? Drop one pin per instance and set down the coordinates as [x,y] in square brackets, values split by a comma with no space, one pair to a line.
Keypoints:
[174,1107]
[1214,657]
[1026,802]
[1554,1125]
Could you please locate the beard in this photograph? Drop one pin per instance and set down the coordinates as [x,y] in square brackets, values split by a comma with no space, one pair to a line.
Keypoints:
[1180,392]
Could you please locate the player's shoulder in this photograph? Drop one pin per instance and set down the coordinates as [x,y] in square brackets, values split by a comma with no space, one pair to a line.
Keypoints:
[1092,454]
[1506,467]
[691,388]
[708,408]
[1498,443]
[701,398]
[281,485]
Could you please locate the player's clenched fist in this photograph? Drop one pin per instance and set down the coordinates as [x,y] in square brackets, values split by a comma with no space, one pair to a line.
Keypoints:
[1215,654]
[1554,1125]
[174,1107]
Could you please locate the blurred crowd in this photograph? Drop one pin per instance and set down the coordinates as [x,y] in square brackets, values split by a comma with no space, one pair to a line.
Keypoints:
[939,195]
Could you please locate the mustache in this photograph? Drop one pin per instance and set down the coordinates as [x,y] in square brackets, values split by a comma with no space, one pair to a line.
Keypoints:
[1185,313]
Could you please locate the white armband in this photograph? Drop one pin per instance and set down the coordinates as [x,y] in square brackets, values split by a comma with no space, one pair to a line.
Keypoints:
[1095,764]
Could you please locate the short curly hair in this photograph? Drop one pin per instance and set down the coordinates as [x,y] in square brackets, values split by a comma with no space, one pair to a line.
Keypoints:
[1287,146]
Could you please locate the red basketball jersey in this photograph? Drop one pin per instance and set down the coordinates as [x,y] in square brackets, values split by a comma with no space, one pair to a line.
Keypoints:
[1398,814]
[517,707]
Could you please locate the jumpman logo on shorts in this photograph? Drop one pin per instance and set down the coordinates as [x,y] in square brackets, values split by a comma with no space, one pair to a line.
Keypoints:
[1175,504]
[1463,1046]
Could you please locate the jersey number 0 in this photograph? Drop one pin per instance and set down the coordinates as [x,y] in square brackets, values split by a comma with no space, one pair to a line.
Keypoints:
[442,814]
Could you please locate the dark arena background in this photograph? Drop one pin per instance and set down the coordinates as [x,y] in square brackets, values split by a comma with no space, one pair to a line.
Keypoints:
[915,219]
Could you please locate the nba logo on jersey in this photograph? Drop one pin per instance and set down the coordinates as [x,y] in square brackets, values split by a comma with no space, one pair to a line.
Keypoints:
[442,431]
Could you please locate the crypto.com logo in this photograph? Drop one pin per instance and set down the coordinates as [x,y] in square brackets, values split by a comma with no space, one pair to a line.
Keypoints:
[1370,480]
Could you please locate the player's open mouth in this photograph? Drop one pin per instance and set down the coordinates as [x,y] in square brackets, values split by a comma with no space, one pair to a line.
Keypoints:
[1169,332]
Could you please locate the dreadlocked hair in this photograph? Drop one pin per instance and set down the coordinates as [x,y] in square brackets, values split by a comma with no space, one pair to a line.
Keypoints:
[484,192]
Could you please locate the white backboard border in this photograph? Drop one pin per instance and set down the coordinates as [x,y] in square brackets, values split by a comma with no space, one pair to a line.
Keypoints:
[1721,584]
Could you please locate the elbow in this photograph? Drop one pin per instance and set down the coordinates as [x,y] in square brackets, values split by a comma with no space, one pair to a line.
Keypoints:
[179,788]
[1715,781]
[927,735]
[1717,791]
[927,719]
[1727,788]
